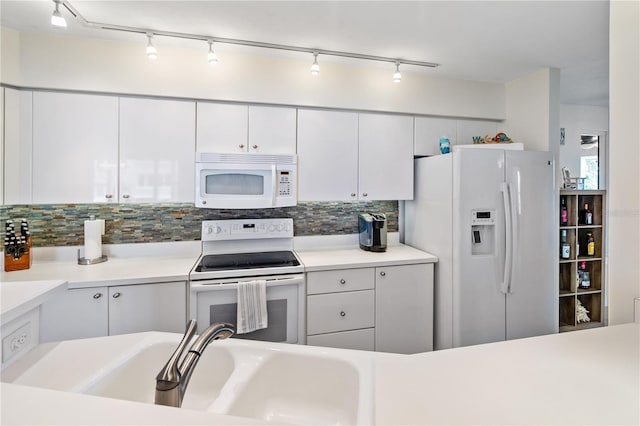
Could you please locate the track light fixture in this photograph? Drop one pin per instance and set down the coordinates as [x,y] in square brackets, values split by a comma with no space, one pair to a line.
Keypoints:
[397,77]
[57,20]
[152,52]
[212,58]
[315,68]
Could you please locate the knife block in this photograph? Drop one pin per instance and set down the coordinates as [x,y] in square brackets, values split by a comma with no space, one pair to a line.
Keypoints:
[23,262]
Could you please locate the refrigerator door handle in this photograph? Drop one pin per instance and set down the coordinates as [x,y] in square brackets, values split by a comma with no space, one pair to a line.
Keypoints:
[506,276]
[516,204]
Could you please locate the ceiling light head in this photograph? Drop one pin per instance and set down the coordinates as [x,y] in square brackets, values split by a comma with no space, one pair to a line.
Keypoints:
[397,77]
[212,58]
[57,20]
[315,67]
[152,52]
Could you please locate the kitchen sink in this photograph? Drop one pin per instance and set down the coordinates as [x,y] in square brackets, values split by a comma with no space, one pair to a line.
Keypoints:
[273,382]
[301,389]
[285,384]
[134,380]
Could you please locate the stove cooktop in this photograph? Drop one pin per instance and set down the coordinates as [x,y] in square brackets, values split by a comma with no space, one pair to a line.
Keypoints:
[236,261]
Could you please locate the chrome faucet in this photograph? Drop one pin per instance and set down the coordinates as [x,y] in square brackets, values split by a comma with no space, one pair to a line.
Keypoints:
[172,380]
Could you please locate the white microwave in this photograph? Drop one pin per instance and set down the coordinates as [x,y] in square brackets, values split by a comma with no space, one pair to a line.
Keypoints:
[245,180]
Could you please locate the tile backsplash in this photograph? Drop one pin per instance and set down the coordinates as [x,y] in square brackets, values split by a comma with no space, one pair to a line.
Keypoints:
[55,225]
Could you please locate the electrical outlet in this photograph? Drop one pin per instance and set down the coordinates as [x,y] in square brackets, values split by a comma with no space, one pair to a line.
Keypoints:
[16,342]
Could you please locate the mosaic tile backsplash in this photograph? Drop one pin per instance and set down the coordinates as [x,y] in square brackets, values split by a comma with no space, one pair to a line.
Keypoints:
[54,225]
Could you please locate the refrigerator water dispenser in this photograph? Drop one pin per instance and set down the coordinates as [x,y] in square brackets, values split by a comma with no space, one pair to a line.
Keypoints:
[483,227]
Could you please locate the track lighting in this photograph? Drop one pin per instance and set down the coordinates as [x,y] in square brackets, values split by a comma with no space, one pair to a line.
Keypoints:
[152,52]
[212,58]
[57,20]
[397,77]
[315,68]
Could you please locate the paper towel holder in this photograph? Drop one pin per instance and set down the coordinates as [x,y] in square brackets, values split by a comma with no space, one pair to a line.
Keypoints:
[83,261]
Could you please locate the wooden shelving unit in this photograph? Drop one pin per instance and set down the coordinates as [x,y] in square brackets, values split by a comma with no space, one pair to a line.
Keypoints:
[569,292]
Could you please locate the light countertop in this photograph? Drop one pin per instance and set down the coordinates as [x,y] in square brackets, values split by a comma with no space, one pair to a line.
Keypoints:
[115,271]
[583,377]
[137,269]
[319,260]
[17,298]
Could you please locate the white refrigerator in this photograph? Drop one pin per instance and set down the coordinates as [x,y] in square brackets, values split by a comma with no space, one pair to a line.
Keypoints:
[488,214]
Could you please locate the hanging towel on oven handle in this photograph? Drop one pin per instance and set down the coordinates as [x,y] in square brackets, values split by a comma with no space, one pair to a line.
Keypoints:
[252,306]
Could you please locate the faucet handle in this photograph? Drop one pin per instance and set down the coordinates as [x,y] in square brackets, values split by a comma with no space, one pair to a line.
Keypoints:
[169,372]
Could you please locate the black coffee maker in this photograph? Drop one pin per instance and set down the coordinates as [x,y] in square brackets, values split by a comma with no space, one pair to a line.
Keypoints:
[372,228]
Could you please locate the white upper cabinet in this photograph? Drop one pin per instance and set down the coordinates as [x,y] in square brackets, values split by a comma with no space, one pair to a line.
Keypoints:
[157,150]
[75,148]
[272,130]
[242,128]
[385,157]
[18,146]
[467,129]
[221,127]
[327,155]
[429,130]
[350,156]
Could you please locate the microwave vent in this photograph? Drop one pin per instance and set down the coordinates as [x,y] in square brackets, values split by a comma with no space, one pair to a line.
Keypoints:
[244,158]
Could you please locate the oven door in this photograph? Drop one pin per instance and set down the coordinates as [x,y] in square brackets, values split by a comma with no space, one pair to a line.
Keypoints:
[216,301]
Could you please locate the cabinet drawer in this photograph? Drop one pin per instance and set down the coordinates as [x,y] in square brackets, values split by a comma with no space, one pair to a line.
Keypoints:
[355,339]
[327,313]
[340,280]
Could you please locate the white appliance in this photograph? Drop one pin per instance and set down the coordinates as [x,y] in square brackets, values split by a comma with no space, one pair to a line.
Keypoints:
[245,180]
[488,214]
[235,251]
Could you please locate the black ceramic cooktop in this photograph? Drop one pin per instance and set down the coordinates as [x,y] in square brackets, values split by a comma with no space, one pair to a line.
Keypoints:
[225,262]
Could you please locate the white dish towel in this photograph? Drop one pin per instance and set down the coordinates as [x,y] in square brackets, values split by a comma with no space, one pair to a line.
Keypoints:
[252,306]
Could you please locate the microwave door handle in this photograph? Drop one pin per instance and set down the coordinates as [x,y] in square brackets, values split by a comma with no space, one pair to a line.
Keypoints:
[274,182]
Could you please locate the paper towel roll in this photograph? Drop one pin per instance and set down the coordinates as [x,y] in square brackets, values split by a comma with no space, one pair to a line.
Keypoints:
[93,232]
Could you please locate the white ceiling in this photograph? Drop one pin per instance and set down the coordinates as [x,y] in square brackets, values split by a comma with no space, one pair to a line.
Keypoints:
[476,40]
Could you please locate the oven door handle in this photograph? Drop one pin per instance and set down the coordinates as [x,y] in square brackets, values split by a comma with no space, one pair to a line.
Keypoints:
[274,184]
[233,285]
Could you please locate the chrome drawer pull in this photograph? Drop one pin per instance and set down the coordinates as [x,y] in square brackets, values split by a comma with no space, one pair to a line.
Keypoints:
[343,313]
[116,295]
[342,281]
[97,295]
[383,273]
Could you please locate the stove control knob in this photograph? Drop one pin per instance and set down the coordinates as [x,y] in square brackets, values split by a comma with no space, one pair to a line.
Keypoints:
[217,230]
[210,230]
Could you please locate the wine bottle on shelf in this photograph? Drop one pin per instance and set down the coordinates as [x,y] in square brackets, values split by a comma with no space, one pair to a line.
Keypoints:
[586,215]
[591,245]
[565,251]
[564,213]
[585,279]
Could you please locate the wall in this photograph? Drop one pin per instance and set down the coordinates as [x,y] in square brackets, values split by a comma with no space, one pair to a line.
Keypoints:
[624,157]
[578,120]
[243,74]
[532,106]
[63,224]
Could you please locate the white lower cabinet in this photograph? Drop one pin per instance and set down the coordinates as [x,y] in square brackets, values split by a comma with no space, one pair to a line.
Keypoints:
[404,308]
[387,309]
[101,311]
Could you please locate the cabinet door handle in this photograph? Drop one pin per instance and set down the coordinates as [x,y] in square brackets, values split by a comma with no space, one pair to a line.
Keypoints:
[353,194]
[241,146]
[383,273]
[108,196]
[116,295]
[342,281]
[343,313]
[255,147]
[364,194]
[126,196]
[97,295]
